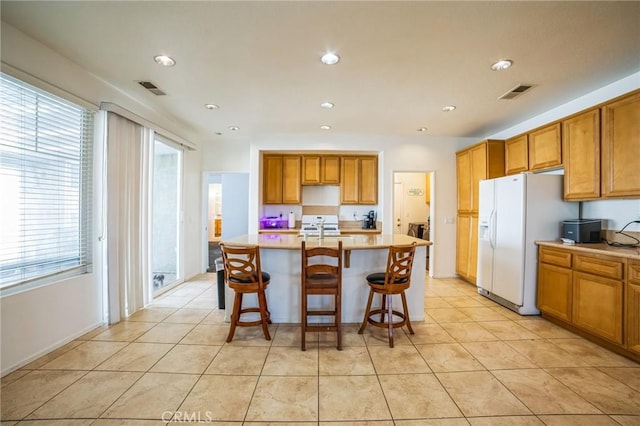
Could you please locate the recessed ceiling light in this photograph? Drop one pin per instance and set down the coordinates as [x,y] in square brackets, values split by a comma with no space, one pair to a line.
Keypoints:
[164,60]
[448,108]
[422,129]
[502,65]
[326,105]
[325,127]
[211,106]
[234,128]
[330,58]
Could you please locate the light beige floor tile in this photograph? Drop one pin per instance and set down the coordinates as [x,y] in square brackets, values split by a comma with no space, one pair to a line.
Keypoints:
[506,421]
[188,291]
[52,355]
[338,394]
[252,336]
[203,302]
[592,354]
[285,361]
[188,316]
[627,420]
[433,422]
[448,315]
[498,355]
[478,393]
[398,360]
[445,357]
[187,359]
[88,397]
[13,376]
[280,424]
[56,422]
[215,317]
[543,394]
[348,361]
[136,357]
[482,313]
[90,335]
[462,302]
[128,422]
[508,330]
[430,333]
[85,356]
[428,398]
[239,360]
[285,399]
[125,331]
[289,335]
[206,334]
[21,397]
[578,420]
[544,328]
[380,336]
[545,354]
[152,396]
[469,332]
[435,302]
[603,391]
[630,376]
[506,312]
[350,337]
[220,397]
[171,301]
[151,314]
[166,333]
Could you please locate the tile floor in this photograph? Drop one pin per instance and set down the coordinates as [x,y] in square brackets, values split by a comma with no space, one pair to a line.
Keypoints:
[471,362]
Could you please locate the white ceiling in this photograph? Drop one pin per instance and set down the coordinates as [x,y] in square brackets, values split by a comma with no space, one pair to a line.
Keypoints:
[401,62]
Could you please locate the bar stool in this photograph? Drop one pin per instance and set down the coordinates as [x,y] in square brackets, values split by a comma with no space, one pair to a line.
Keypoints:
[321,276]
[244,275]
[395,280]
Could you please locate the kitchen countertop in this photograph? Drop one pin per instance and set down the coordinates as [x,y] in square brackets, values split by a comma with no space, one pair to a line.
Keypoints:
[349,242]
[343,231]
[596,248]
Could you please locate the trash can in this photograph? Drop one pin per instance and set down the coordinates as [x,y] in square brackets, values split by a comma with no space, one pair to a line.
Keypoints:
[220,279]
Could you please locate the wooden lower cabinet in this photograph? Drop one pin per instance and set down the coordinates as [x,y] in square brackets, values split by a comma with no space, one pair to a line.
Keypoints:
[467,247]
[632,295]
[555,290]
[597,305]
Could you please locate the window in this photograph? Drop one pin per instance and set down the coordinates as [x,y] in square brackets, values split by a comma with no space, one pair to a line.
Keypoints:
[46,146]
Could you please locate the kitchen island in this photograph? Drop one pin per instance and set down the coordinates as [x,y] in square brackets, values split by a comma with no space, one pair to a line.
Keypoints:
[363,254]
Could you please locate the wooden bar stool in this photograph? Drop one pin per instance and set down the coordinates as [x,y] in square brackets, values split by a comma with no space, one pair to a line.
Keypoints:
[321,276]
[244,275]
[395,280]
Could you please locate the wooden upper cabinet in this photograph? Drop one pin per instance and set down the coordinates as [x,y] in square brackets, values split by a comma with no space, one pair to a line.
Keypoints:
[281,179]
[330,169]
[621,147]
[311,170]
[545,147]
[473,164]
[478,172]
[320,170]
[463,169]
[516,155]
[581,156]
[359,180]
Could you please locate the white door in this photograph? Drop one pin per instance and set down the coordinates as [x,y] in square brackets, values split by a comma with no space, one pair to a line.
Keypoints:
[509,239]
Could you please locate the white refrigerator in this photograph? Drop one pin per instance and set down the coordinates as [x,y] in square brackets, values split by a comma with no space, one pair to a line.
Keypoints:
[515,211]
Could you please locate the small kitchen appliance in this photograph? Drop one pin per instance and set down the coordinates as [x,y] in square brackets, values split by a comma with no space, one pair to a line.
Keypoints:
[311,225]
[369,220]
[582,230]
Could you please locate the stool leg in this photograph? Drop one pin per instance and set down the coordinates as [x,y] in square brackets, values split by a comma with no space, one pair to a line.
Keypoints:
[262,304]
[338,300]
[303,321]
[383,308]
[235,316]
[390,319]
[406,312]
[366,313]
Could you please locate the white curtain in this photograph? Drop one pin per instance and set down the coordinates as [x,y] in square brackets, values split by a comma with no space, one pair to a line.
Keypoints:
[129,157]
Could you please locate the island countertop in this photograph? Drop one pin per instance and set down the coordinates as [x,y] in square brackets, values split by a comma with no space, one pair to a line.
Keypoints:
[349,242]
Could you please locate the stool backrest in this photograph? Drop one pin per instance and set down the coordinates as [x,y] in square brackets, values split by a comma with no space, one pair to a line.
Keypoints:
[399,264]
[334,268]
[242,265]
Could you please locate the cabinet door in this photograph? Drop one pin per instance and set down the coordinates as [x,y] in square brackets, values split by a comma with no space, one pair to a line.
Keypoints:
[581,156]
[478,172]
[516,155]
[291,180]
[545,148]
[368,191]
[597,305]
[554,291]
[330,170]
[272,179]
[621,147]
[463,170]
[633,317]
[462,245]
[473,249]
[349,180]
[311,170]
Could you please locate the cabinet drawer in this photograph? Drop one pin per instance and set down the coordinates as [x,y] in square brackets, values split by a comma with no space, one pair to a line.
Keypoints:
[555,257]
[633,273]
[599,265]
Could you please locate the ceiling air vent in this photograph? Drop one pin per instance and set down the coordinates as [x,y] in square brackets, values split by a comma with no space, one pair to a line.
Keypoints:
[152,88]
[516,91]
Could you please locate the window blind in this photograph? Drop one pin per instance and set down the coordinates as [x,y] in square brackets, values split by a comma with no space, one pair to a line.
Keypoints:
[46,146]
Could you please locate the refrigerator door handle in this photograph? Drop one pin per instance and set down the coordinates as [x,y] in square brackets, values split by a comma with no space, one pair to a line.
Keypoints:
[492,229]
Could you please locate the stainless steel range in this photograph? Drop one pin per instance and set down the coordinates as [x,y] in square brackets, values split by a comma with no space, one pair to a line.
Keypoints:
[311,225]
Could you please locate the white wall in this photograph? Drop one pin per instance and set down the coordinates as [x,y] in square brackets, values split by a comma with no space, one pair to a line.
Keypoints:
[616,212]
